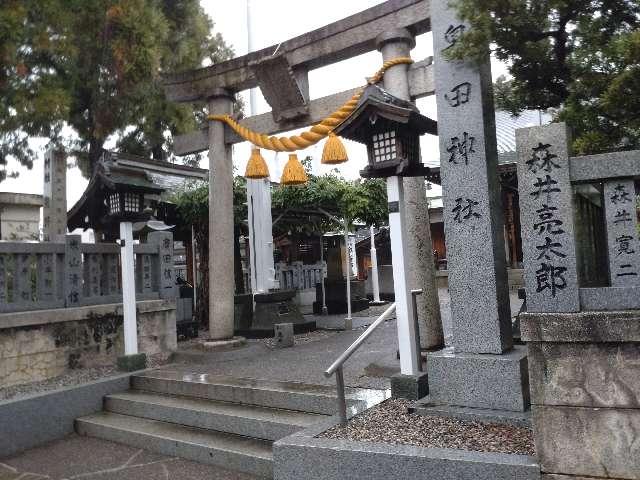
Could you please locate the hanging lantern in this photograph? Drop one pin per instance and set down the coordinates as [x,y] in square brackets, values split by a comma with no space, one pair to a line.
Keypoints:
[334,152]
[256,166]
[293,173]
[390,128]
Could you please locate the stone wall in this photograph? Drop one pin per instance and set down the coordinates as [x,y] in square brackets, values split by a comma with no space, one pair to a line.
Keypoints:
[43,344]
[584,373]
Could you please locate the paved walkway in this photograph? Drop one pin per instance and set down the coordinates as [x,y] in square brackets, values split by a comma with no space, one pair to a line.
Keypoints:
[89,458]
[370,366]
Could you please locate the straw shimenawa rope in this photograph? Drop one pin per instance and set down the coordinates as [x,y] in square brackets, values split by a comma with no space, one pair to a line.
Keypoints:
[315,133]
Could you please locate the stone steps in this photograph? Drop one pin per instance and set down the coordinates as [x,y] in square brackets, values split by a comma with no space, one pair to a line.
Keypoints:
[215,419]
[235,452]
[247,420]
[320,399]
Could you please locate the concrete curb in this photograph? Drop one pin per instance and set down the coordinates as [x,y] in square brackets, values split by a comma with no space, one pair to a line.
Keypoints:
[301,455]
[43,417]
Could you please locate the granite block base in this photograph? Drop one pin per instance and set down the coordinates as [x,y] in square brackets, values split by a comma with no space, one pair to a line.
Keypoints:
[304,456]
[411,387]
[585,392]
[428,409]
[131,363]
[488,381]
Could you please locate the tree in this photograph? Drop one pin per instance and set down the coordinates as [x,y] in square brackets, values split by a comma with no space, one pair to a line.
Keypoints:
[33,96]
[96,67]
[579,57]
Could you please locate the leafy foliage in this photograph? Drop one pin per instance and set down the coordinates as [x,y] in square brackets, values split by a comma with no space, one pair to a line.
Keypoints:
[361,200]
[96,67]
[193,202]
[581,57]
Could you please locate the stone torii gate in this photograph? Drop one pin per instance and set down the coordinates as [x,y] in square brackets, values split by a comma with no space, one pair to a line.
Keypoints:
[281,72]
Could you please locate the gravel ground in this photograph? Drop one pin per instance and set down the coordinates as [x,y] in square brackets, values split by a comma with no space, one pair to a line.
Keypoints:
[389,422]
[72,377]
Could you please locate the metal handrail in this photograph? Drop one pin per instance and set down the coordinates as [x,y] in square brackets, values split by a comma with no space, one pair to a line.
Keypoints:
[336,367]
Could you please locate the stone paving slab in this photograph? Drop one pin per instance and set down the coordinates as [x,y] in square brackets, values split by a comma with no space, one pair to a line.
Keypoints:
[369,367]
[307,362]
[77,457]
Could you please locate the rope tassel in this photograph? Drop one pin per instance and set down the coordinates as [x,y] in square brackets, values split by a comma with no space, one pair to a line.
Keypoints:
[334,151]
[256,166]
[293,173]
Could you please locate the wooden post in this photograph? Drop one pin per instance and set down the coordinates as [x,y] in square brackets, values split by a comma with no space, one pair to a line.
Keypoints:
[128,289]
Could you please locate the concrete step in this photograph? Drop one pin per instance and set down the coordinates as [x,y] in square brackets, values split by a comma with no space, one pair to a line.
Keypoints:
[247,420]
[301,397]
[234,452]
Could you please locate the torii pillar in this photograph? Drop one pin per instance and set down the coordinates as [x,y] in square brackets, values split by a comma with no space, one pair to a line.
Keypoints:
[421,269]
[221,267]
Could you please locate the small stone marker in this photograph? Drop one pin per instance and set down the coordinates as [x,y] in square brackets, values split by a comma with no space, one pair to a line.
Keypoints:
[73,271]
[54,212]
[622,232]
[166,282]
[3,280]
[283,335]
[546,214]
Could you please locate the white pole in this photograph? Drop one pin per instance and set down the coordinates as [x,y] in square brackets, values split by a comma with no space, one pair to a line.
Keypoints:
[194,267]
[322,277]
[259,203]
[347,266]
[128,289]
[374,268]
[251,48]
[406,327]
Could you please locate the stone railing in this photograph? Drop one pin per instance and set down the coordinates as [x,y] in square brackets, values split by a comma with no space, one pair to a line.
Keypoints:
[562,246]
[299,276]
[582,318]
[38,276]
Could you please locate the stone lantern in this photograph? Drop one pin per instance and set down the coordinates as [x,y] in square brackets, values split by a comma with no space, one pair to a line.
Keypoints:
[126,205]
[123,205]
[390,128]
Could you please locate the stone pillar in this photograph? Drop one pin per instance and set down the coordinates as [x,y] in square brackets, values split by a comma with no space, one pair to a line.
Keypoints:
[481,370]
[54,213]
[622,232]
[421,269]
[221,278]
[72,285]
[547,217]
[165,268]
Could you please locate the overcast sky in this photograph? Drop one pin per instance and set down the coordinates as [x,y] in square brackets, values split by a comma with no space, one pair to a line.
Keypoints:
[275,21]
